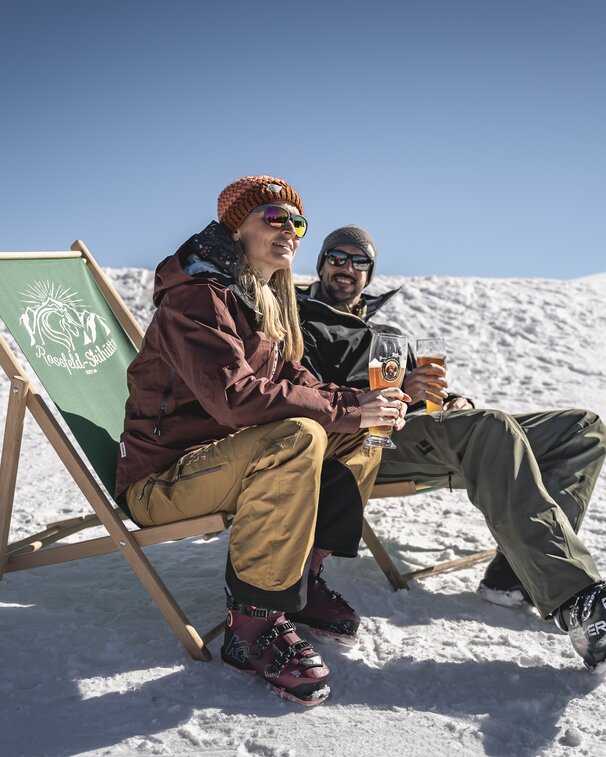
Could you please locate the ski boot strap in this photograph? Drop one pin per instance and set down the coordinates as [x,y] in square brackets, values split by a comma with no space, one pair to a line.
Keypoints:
[250,610]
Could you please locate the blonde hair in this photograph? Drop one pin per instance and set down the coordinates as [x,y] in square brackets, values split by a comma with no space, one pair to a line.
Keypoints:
[276,302]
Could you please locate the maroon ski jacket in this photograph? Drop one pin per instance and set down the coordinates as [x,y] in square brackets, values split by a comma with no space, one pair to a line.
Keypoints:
[205,369]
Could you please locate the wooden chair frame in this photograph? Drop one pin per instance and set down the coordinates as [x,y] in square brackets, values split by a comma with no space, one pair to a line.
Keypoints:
[33,551]
[397,579]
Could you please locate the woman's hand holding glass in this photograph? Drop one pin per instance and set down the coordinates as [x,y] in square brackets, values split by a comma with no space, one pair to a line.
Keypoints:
[383,407]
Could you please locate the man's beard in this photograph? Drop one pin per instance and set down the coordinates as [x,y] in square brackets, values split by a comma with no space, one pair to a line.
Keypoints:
[336,293]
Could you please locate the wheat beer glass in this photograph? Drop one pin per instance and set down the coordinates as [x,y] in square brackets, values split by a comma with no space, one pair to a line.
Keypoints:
[386,365]
[431,351]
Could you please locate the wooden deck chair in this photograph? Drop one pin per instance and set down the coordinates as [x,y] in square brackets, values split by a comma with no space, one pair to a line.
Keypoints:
[47,301]
[396,578]
[79,337]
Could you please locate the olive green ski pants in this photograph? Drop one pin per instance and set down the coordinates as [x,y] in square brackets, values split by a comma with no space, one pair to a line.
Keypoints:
[530,475]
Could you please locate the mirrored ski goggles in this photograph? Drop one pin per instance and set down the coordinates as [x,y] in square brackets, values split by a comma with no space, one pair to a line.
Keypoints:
[338,258]
[278,217]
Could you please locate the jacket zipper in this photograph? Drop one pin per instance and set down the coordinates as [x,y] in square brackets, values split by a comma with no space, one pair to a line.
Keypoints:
[426,478]
[164,402]
[275,361]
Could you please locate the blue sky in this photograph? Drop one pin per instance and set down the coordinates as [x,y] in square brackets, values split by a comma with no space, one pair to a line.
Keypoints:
[467,137]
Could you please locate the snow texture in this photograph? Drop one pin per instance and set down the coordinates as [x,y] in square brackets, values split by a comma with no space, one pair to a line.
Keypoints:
[90,667]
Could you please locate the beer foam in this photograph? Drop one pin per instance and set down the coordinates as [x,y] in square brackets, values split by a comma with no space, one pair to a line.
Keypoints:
[374,363]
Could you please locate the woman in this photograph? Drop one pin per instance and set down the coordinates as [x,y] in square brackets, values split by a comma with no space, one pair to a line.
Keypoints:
[222,417]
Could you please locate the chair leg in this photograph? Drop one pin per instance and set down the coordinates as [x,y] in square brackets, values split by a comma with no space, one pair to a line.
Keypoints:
[126,544]
[166,603]
[11,448]
[383,559]
[400,580]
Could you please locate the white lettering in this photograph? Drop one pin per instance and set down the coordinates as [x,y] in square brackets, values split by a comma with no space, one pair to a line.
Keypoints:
[56,361]
[72,361]
[577,633]
[101,354]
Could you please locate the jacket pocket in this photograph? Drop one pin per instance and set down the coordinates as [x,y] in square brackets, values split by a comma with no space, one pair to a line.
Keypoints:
[186,476]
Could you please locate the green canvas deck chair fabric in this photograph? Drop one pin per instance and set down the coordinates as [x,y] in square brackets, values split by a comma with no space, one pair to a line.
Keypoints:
[79,338]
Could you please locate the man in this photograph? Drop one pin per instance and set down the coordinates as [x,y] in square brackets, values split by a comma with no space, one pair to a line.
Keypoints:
[530,475]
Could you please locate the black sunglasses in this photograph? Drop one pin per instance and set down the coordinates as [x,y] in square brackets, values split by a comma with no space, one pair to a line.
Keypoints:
[277,217]
[338,258]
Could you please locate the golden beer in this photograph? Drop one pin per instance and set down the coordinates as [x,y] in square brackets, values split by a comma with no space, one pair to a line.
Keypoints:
[386,365]
[380,378]
[432,407]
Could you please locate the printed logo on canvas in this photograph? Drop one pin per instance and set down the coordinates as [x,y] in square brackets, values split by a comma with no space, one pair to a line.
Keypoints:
[64,332]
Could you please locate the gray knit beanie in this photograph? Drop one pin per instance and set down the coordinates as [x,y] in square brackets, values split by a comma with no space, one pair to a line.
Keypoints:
[352,235]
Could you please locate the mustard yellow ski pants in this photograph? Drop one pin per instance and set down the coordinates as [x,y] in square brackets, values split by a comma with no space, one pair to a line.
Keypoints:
[286,485]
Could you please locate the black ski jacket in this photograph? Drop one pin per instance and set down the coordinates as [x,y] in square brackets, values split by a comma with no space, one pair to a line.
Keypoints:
[337,343]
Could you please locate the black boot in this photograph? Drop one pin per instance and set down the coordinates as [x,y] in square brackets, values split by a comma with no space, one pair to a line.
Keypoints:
[501,585]
[583,617]
[326,612]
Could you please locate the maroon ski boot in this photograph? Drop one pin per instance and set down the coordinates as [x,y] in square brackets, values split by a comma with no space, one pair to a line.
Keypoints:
[263,642]
[326,612]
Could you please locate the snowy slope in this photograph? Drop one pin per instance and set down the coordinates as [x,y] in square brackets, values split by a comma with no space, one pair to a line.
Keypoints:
[89,666]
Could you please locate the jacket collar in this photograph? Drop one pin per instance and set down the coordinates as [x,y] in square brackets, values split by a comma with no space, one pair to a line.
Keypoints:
[211,251]
[210,254]
[371,303]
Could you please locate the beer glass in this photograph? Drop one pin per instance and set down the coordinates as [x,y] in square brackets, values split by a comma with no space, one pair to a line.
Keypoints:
[386,366]
[431,351]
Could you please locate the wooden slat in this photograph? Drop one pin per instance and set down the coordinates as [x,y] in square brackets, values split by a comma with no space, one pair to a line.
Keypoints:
[86,521]
[399,489]
[397,579]
[43,539]
[144,537]
[9,363]
[9,463]
[214,632]
[38,255]
[55,532]
[445,567]
[116,303]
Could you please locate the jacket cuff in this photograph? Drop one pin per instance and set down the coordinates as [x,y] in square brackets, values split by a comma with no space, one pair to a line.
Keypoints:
[456,396]
[349,423]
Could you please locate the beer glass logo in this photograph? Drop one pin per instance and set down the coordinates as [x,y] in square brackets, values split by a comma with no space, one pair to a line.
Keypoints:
[63,331]
[390,368]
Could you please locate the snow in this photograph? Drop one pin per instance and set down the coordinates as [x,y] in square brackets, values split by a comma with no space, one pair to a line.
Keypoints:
[90,667]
